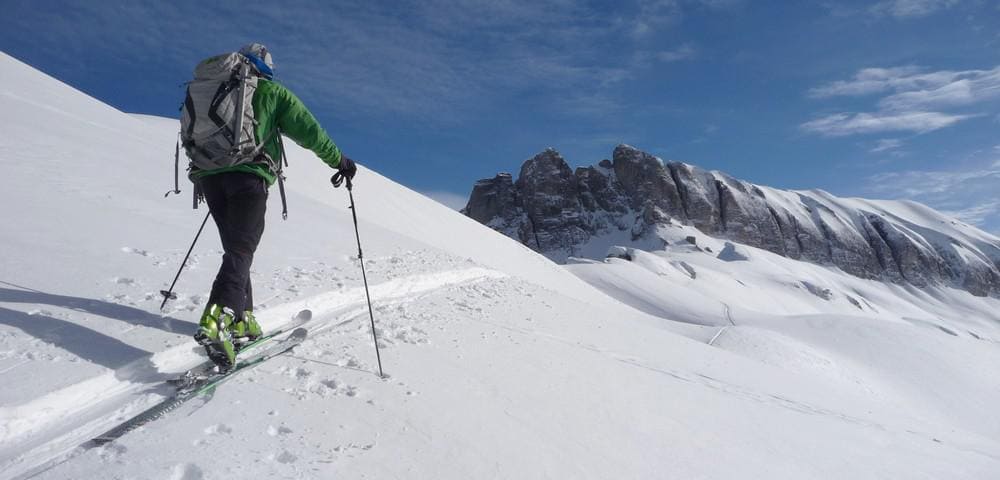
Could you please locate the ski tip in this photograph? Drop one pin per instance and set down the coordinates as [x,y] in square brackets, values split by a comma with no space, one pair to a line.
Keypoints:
[299,333]
[304,315]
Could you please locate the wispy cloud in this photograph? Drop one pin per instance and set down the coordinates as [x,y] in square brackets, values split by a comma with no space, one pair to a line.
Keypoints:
[842,124]
[904,9]
[912,87]
[948,90]
[433,61]
[916,183]
[914,100]
[720,4]
[655,14]
[900,10]
[437,60]
[969,194]
[682,52]
[887,144]
[876,80]
[707,132]
[980,215]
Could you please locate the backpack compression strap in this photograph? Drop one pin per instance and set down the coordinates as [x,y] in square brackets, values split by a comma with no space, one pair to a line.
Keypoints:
[282,162]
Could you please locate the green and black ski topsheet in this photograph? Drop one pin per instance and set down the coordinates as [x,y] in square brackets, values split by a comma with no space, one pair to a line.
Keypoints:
[208,368]
[198,381]
[205,378]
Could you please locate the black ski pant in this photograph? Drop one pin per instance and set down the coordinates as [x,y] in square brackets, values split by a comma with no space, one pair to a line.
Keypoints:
[237,201]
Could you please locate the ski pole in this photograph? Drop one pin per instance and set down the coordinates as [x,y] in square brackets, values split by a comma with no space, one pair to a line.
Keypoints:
[169,294]
[337,180]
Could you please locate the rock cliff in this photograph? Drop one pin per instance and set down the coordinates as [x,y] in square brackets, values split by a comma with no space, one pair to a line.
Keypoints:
[555,210]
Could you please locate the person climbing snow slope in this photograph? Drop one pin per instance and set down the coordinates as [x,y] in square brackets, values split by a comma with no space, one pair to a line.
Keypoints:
[231,125]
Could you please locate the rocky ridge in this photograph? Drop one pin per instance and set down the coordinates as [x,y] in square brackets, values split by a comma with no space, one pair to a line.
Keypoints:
[555,210]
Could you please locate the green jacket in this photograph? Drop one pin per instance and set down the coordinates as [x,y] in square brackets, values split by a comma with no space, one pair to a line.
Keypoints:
[276,106]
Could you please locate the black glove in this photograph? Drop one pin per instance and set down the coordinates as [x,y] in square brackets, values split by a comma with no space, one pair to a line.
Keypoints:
[347,167]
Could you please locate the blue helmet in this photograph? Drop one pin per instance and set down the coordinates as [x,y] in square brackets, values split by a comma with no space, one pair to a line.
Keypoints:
[260,58]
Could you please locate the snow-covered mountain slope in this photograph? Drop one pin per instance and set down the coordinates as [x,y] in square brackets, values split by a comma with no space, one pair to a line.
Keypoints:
[879,337]
[501,364]
[561,213]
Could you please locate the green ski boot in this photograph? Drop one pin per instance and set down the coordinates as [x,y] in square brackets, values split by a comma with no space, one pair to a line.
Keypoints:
[247,329]
[214,334]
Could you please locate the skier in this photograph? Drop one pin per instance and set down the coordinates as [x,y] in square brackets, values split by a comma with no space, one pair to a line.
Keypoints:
[237,197]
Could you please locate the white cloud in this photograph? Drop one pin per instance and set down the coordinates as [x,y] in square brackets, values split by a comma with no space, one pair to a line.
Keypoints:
[969,194]
[977,214]
[916,183]
[839,9]
[420,62]
[451,200]
[655,14]
[896,9]
[877,80]
[682,52]
[842,124]
[435,61]
[886,144]
[914,100]
[913,86]
[440,61]
[952,89]
[720,4]
[903,9]
[412,66]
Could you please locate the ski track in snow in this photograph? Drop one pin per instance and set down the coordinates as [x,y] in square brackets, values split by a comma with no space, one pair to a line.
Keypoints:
[41,425]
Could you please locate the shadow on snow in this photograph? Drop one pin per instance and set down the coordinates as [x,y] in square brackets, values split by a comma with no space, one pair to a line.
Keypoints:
[112,310]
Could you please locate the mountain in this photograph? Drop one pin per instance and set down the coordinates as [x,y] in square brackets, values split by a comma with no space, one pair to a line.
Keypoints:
[636,198]
[706,361]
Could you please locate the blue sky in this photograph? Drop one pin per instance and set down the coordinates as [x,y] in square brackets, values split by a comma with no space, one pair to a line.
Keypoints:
[885,99]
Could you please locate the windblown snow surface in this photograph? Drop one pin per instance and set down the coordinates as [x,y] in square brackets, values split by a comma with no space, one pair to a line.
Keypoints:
[683,363]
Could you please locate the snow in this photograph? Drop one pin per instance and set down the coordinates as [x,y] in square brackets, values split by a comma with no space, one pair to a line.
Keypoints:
[499,363]
[804,317]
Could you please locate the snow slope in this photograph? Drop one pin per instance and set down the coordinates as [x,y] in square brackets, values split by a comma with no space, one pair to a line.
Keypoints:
[882,338]
[500,364]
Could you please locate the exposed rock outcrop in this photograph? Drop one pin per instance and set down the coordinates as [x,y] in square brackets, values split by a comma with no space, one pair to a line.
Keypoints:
[495,202]
[556,211]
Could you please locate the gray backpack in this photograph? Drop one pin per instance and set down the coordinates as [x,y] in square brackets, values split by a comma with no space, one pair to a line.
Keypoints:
[217,119]
[218,124]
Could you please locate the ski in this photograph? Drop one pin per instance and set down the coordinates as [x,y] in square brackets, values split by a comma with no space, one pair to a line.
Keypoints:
[202,378]
[196,382]
[200,385]
[190,377]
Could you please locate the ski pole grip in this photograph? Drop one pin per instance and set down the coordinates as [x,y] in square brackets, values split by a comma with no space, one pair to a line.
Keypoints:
[338,179]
